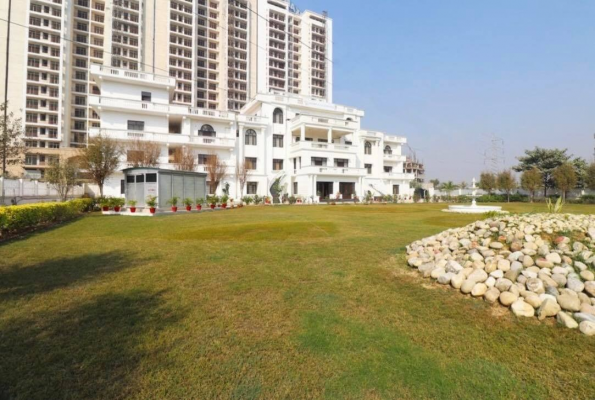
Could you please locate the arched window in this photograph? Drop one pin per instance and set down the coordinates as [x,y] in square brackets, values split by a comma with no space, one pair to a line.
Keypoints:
[207,130]
[250,138]
[349,119]
[278,116]
[388,150]
[368,148]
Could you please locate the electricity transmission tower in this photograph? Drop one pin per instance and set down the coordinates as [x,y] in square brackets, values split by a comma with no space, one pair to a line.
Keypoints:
[493,156]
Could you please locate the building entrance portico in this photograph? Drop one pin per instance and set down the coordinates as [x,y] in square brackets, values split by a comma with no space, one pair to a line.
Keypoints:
[324,189]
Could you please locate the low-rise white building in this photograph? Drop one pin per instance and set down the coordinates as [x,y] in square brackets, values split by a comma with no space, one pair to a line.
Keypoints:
[317,148]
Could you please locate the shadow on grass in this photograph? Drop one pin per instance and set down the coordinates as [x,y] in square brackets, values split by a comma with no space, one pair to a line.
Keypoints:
[94,350]
[18,281]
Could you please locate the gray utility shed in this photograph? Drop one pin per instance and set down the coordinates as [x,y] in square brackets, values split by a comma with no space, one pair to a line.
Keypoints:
[163,183]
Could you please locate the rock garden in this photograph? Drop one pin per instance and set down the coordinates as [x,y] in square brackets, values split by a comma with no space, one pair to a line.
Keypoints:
[539,265]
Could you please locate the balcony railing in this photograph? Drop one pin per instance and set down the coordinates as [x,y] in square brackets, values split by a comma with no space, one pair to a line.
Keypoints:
[165,138]
[395,157]
[323,147]
[398,175]
[395,139]
[255,119]
[324,121]
[135,75]
[99,101]
[326,170]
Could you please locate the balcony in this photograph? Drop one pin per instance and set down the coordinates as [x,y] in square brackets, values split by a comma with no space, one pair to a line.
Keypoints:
[326,147]
[110,103]
[395,139]
[226,142]
[252,119]
[322,123]
[333,171]
[398,175]
[302,101]
[127,76]
[394,157]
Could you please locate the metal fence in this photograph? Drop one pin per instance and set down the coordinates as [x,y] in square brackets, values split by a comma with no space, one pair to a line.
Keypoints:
[15,191]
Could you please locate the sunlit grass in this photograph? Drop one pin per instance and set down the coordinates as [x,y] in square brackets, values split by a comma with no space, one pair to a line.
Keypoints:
[265,302]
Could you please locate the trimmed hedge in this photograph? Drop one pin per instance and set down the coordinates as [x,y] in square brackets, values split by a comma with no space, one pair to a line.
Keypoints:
[14,219]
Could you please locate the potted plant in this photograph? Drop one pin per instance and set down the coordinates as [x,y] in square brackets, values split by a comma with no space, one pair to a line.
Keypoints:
[132,206]
[224,199]
[267,200]
[213,201]
[152,203]
[188,203]
[199,202]
[104,203]
[118,202]
[299,199]
[174,203]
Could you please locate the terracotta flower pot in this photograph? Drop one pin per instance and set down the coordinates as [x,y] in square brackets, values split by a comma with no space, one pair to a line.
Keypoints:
[188,208]
[152,210]
[174,209]
[105,208]
[212,206]
[117,209]
[132,209]
[199,207]
[224,205]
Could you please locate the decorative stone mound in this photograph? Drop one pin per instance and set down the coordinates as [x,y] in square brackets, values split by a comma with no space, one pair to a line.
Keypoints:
[539,265]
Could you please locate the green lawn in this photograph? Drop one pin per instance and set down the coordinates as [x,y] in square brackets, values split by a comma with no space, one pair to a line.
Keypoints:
[265,302]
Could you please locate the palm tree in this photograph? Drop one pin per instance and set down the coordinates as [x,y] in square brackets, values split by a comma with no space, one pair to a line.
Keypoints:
[464,185]
[448,187]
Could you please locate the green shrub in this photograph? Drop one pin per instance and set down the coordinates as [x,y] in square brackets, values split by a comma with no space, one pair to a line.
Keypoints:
[14,219]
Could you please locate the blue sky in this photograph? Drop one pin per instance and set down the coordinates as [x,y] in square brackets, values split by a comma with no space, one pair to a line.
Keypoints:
[448,73]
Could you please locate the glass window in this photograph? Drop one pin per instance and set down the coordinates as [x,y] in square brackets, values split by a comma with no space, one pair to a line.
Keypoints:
[140,178]
[151,177]
[136,125]
[250,138]
[130,179]
[278,116]
[277,140]
[368,168]
[146,96]
[368,148]
[252,187]
[277,165]
[251,163]
[388,150]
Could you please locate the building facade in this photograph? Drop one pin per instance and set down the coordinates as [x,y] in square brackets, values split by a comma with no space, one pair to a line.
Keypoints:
[248,80]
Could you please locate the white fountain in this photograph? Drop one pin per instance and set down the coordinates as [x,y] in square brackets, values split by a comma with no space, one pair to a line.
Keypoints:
[473,208]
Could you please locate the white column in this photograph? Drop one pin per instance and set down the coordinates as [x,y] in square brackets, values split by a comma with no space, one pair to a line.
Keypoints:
[266,161]
[303,134]
[330,135]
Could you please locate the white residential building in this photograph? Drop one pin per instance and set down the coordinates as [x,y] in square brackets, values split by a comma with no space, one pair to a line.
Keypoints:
[245,79]
[318,148]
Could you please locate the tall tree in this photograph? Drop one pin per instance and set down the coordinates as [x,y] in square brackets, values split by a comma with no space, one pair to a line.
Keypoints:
[12,146]
[590,177]
[242,172]
[531,180]
[546,161]
[142,153]
[184,160]
[62,175]
[100,159]
[216,170]
[580,168]
[463,185]
[506,183]
[565,178]
[487,182]
[435,182]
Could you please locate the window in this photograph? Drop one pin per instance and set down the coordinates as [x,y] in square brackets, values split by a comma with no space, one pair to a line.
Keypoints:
[318,161]
[250,138]
[207,130]
[368,148]
[341,162]
[145,96]
[251,163]
[368,168]
[277,165]
[388,169]
[295,188]
[395,189]
[122,186]
[151,178]
[388,150]
[203,159]
[130,179]
[278,116]
[136,125]
[252,187]
[277,140]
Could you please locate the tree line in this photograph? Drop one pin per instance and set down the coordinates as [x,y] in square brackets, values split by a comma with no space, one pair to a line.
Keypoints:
[541,169]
